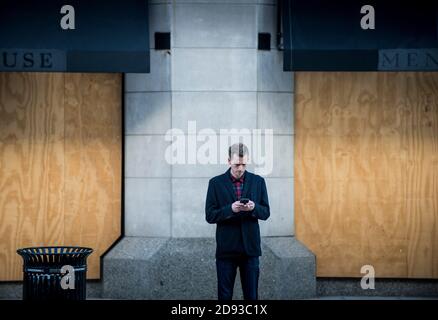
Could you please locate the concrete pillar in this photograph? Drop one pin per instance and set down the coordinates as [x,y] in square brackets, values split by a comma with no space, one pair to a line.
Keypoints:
[214,78]
[148,112]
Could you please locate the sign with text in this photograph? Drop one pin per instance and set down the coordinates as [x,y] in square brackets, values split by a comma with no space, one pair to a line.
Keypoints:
[353,35]
[74,36]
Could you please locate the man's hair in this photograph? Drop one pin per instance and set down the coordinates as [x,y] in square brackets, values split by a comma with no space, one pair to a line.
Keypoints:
[238,148]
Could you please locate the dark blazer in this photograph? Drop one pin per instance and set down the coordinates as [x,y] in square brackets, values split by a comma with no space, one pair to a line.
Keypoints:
[236,231]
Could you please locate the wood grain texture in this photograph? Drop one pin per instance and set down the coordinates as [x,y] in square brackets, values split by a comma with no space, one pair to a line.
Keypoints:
[92,162]
[31,165]
[43,156]
[366,172]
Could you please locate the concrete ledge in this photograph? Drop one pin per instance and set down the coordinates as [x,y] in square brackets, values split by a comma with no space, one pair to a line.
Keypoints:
[14,290]
[390,287]
[294,267]
[184,268]
[160,268]
[11,290]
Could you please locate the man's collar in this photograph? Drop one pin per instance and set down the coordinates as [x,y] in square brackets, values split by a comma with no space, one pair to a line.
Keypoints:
[241,179]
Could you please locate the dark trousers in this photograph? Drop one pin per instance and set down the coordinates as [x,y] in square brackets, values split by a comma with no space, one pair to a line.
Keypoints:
[226,275]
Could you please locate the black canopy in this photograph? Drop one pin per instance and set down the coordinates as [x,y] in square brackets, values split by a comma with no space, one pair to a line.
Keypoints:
[321,35]
[109,36]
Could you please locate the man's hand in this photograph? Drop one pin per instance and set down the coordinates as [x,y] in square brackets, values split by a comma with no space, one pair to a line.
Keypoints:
[237,206]
[248,207]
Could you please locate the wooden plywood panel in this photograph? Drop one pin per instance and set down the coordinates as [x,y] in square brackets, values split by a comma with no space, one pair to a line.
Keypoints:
[92,162]
[365,145]
[31,165]
[421,178]
[60,164]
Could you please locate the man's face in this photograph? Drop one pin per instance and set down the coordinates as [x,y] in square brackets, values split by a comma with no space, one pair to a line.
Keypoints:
[238,165]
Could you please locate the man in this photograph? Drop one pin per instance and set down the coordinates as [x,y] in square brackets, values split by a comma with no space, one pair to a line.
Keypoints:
[237,228]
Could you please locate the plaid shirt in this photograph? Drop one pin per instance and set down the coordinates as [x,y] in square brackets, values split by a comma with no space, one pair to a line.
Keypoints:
[238,185]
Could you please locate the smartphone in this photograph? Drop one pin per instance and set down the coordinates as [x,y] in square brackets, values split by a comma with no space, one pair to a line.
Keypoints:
[244,200]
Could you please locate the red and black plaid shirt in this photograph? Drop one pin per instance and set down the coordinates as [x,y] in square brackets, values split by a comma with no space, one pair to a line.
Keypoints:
[238,185]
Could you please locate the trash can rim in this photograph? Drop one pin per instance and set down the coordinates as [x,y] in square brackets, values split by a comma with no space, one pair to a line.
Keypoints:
[29,250]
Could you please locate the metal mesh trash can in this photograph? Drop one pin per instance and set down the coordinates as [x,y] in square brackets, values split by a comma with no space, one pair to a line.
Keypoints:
[54,273]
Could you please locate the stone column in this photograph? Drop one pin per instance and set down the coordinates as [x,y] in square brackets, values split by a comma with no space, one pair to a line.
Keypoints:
[213,78]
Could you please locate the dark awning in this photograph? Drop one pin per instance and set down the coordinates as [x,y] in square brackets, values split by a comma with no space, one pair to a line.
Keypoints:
[109,36]
[321,35]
